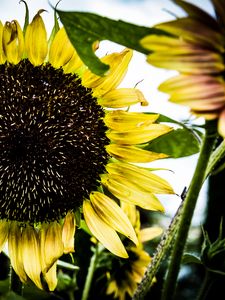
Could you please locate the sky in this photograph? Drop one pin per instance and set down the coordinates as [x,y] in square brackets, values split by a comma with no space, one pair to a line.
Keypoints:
[140,12]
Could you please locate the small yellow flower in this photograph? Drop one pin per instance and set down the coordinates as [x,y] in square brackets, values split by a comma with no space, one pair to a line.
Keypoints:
[60,144]
[124,278]
[195,48]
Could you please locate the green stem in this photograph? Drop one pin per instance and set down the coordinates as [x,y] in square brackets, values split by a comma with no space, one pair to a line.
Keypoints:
[90,274]
[15,284]
[161,251]
[215,158]
[188,210]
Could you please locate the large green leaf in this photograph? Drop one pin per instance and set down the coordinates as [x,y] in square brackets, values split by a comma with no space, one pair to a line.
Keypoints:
[180,142]
[84,29]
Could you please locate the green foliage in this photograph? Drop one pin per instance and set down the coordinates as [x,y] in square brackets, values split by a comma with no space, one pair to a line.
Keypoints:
[180,142]
[84,29]
[189,258]
[177,143]
[213,253]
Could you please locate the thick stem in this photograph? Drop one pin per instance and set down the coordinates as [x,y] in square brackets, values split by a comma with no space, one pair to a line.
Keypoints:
[188,210]
[15,284]
[162,250]
[90,274]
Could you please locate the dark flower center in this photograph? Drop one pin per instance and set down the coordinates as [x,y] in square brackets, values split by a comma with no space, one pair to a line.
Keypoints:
[52,142]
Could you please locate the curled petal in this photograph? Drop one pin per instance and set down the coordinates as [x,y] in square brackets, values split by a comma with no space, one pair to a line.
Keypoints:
[13,42]
[118,63]
[36,44]
[113,215]
[132,153]
[121,120]
[122,98]
[102,231]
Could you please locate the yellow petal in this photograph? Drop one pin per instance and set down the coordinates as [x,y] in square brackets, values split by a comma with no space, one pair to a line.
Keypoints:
[143,178]
[195,32]
[2,54]
[61,50]
[150,233]
[205,62]
[50,238]
[221,124]
[138,136]
[13,42]
[68,232]
[36,40]
[132,213]
[31,255]
[121,120]
[118,63]
[73,65]
[15,250]
[132,153]
[157,43]
[126,191]
[189,83]
[143,257]
[113,215]
[4,230]
[102,231]
[122,97]
[51,277]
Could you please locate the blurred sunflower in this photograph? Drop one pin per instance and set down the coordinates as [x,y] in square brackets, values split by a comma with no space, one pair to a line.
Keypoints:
[195,47]
[59,145]
[127,273]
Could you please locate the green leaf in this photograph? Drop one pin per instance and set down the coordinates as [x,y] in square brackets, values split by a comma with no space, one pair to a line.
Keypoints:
[177,143]
[189,258]
[84,29]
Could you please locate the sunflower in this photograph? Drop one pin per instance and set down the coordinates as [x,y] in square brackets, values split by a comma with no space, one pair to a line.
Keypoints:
[64,140]
[195,47]
[127,273]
